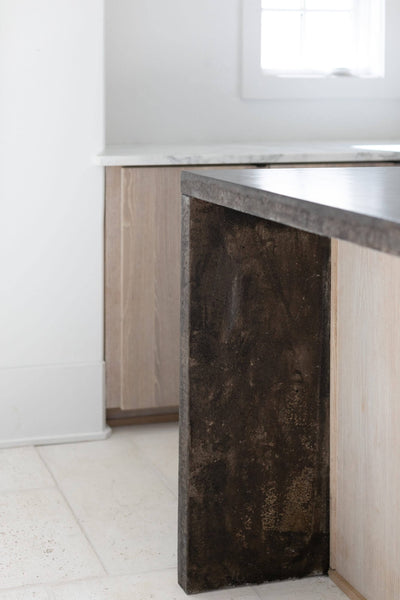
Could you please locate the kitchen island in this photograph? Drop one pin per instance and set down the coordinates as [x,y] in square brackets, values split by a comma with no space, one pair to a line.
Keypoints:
[142,254]
[256,370]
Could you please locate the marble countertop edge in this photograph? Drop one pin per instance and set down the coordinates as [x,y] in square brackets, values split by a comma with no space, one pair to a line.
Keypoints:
[249,153]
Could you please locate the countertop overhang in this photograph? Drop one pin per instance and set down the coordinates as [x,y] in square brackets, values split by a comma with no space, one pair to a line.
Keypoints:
[357,205]
[249,153]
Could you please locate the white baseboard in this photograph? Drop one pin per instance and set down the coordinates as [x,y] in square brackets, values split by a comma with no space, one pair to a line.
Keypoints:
[52,404]
[61,439]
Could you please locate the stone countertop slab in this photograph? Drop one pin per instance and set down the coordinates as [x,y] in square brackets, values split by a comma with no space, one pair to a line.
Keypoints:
[251,153]
[358,205]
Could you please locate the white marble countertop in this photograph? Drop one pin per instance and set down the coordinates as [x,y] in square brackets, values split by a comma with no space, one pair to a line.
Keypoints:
[252,153]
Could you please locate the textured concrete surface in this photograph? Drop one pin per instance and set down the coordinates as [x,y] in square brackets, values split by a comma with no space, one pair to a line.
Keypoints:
[357,205]
[254,480]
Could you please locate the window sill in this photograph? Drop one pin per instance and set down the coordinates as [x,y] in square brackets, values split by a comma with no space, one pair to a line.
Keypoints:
[258,85]
[318,75]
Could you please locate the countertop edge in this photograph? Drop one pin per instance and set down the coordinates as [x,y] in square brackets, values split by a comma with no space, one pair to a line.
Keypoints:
[248,154]
[362,229]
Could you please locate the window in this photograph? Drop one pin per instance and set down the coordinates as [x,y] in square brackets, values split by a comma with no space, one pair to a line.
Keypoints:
[320,48]
[322,37]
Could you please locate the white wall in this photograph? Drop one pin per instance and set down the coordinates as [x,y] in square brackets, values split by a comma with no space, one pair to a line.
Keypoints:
[173,75]
[51,225]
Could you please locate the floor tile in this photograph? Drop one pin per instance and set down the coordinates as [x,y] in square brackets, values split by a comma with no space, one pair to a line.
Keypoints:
[109,450]
[22,469]
[27,593]
[113,469]
[134,540]
[125,509]
[40,542]
[159,442]
[122,491]
[152,586]
[311,588]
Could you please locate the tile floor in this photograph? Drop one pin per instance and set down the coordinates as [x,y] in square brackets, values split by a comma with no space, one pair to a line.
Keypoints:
[97,521]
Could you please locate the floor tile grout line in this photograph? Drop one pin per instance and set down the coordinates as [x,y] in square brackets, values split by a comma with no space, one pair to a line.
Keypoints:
[119,575]
[254,588]
[19,490]
[172,488]
[164,480]
[50,586]
[76,519]
[92,578]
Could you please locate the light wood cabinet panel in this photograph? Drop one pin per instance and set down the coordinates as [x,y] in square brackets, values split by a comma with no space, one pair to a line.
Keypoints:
[142,317]
[150,287]
[365,417]
[142,308]
[112,292]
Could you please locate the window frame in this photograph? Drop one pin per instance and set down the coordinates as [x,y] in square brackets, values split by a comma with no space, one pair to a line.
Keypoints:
[259,84]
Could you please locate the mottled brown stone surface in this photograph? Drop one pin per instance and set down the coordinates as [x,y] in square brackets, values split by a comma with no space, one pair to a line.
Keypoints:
[254,481]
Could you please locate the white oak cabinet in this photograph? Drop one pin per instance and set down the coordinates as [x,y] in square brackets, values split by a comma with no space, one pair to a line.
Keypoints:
[365,417]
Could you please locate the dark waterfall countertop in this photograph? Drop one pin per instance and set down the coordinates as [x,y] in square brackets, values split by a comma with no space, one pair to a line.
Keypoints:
[357,204]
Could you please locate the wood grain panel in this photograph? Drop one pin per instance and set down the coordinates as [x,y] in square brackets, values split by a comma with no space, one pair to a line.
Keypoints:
[366,518]
[150,317]
[167,287]
[139,198]
[333,401]
[112,293]
[120,418]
